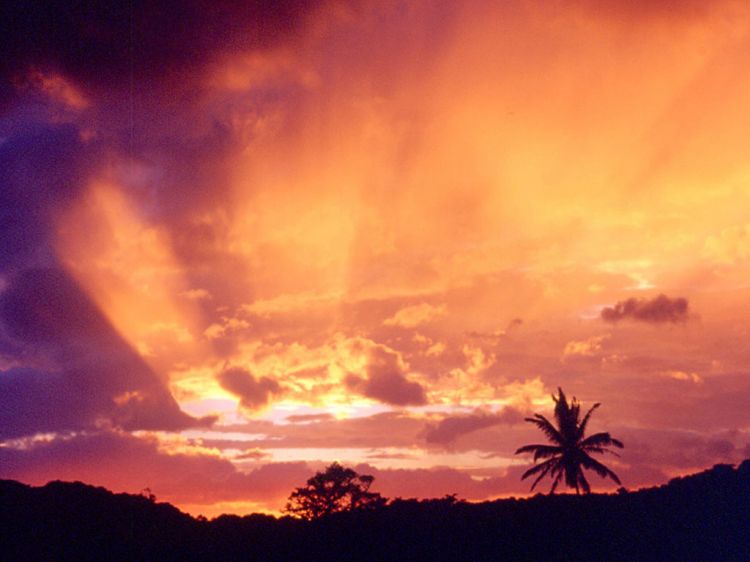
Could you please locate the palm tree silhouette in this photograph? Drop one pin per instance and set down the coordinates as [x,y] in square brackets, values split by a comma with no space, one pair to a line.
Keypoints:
[569,453]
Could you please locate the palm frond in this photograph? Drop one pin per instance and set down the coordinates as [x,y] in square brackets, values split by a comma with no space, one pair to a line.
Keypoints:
[540,451]
[584,423]
[549,465]
[547,428]
[556,480]
[600,450]
[599,468]
[546,465]
[602,439]
[528,449]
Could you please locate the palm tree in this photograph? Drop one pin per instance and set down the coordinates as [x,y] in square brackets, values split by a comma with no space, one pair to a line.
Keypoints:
[569,453]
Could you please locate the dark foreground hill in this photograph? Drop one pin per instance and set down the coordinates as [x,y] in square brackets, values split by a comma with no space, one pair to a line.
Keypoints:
[705,516]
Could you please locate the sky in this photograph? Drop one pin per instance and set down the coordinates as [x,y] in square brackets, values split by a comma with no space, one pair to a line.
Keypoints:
[242,240]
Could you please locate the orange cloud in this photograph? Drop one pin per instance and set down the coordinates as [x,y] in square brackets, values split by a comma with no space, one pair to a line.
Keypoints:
[414,315]
[128,268]
[586,348]
[683,376]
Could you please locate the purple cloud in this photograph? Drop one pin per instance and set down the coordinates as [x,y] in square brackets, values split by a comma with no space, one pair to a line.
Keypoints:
[254,393]
[449,429]
[658,310]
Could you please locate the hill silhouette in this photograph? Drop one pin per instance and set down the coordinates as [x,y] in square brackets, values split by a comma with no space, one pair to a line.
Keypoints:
[705,516]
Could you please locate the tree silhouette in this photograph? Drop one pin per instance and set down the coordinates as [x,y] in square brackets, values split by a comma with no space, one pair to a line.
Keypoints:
[569,453]
[336,489]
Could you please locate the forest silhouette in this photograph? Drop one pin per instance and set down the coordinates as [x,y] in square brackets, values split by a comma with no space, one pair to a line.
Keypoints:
[705,516]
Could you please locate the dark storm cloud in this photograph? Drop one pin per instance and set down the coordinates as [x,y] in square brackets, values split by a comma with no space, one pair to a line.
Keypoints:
[45,308]
[140,64]
[105,45]
[660,309]
[71,369]
[91,376]
[145,70]
[144,66]
[162,130]
[42,169]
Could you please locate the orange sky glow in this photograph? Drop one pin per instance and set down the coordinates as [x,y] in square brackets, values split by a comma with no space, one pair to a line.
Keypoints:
[385,235]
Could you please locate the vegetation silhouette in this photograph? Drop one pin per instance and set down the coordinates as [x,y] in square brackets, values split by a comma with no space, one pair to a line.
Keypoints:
[335,489]
[704,516]
[568,455]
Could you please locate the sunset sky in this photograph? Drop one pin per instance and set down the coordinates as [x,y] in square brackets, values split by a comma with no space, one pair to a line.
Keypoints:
[241,240]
